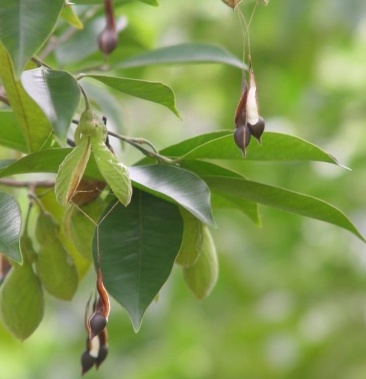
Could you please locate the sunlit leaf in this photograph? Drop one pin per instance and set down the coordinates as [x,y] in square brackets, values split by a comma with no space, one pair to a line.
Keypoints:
[57,94]
[71,171]
[143,89]
[10,133]
[285,200]
[71,17]
[114,172]
[275,147]
[137,255]
[10,227]
[34,125]
[25,25]
[184,53]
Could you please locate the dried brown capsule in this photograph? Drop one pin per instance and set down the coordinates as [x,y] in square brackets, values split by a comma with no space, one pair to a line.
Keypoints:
[97,323]
[257,129]
[108,38]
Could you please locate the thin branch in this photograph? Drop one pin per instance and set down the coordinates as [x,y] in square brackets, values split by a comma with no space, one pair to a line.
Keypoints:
[26,183]
[4,99]
[138,142]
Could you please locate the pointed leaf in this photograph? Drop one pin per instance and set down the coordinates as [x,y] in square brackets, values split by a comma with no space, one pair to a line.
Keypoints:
[174,183]
[10,133]
[224,200]
[184,53]
[34,125]
[151,91]
[71,171]
[10,227]
[138,245]
[276,147]
[285,200]
[57,94]
[71,17]
[25,25]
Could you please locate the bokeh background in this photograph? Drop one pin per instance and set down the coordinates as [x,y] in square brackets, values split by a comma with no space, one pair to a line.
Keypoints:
[291,297]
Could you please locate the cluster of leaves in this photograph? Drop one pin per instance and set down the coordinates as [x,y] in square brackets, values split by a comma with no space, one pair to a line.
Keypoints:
[135,240]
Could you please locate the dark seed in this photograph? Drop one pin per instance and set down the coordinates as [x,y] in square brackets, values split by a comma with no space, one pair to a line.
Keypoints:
[257,129]
[97,323]
[87,362]
[108,40]
[103,352]
[242,136]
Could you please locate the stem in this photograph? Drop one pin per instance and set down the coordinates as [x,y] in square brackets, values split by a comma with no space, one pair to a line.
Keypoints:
[137,142]
[87,104]
[26,183]
[4,99]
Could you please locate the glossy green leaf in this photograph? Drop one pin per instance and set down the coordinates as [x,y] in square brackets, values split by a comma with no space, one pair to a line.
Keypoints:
[25,25]
[178,185]
[192,239]
[114,172]
[285,200]
[138,245]
[34,125]
[183,53]
[220,199]
[275,147]
[143,89]
[71,171]
[202,276]
[10,133]
[10,227]
[21,301]
[56,92]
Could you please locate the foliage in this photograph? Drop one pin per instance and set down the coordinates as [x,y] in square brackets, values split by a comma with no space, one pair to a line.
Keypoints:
[138,239]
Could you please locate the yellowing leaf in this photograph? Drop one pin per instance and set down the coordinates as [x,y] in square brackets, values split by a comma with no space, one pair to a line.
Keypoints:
[71,171]
[112,170]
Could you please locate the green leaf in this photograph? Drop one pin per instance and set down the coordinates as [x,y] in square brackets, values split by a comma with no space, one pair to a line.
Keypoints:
[56,92]
[113,171]
[192,239]
[32,121]
[275,147]
[25,25]
[71,171]
[71,17]
[285,200]
[202,276]
[143,89]
[10,227]
[137,255]
[223,200]
[183,53]
[178,185]
[10,133]
[21,301]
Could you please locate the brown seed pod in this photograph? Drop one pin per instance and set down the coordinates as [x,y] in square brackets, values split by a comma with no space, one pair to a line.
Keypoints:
[87,362]
[97,323]
[108,38]
[87,191]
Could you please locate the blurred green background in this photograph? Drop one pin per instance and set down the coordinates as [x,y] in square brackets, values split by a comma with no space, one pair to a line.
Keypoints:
[291,297]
